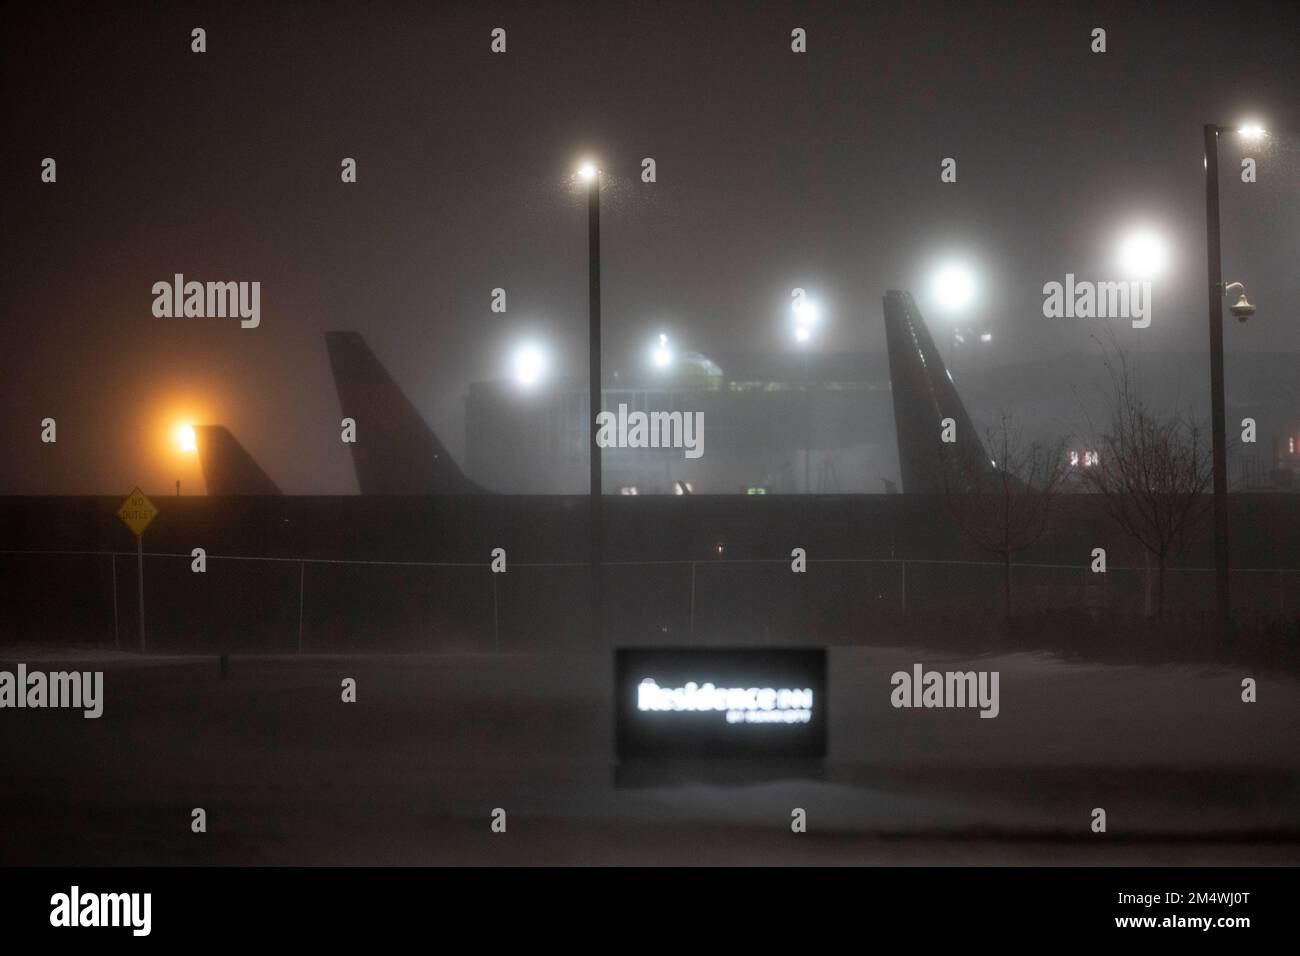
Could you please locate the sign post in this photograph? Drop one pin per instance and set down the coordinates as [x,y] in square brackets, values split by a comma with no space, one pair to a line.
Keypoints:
[139,578]
[136,513]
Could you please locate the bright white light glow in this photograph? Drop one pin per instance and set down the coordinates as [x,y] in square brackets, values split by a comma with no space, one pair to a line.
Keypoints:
[587,172]
[661,355]
[986,336]
[1143,255]
[528,365]
[1253,131]
[806,315]
[185,438]
[954,287]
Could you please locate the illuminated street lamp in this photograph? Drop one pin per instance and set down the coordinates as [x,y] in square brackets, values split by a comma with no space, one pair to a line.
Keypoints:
[187,443]
[1243,310]
[806,314]
[528,365]
[661,356]
[1143,254]
[954,289]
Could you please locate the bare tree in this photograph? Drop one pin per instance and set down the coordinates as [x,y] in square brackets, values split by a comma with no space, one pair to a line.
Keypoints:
[1152,474]
[1010,508]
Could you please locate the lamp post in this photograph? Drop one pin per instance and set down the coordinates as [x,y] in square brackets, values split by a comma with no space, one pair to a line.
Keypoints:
[1215,266]
[806,314]
[589,173]
[1243,310]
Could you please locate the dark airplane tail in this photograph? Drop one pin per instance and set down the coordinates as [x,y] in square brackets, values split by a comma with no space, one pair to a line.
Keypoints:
[228,469]
[924,395]
[395,452]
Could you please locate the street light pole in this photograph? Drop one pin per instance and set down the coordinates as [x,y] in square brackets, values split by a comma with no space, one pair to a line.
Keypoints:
[805,318]
[593,354]
[808,422]
[1222,602]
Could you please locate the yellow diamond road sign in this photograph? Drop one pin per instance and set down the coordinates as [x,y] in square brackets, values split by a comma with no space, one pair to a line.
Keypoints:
[137,511]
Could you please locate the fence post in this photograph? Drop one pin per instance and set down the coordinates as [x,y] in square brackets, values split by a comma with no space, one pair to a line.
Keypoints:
[496,616]
[139,576]
[117,641]
[692,599]
[302,573]
[904,587]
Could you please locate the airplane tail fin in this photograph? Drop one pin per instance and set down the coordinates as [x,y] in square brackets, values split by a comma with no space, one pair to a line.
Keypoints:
[228,468]
[396,452]
[924,395]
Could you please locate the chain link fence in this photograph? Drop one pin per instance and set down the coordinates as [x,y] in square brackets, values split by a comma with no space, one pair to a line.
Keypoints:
[286,605]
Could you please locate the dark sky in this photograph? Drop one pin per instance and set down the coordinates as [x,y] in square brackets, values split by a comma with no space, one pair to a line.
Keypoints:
[775,170]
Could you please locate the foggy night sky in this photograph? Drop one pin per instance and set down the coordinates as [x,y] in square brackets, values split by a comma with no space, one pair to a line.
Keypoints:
[775,170]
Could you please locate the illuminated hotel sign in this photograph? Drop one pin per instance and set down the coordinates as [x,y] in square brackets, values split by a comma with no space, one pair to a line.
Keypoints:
[733,701]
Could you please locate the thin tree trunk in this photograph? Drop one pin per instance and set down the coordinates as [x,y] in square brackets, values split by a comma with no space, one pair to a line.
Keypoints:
[1160,588]
[1146,583]
[1006,584]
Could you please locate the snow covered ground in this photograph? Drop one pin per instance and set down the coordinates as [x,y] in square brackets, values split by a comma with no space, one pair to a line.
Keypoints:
[411,772]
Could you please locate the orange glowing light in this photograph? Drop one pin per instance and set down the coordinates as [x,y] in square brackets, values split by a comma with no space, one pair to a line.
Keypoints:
[185,438]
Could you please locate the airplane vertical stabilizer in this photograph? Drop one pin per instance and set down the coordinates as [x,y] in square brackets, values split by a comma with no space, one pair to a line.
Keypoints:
[396,452]
[228,469]
[924,395]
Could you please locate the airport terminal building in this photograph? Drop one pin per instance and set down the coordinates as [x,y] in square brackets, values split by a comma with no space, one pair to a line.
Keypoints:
[818,423]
